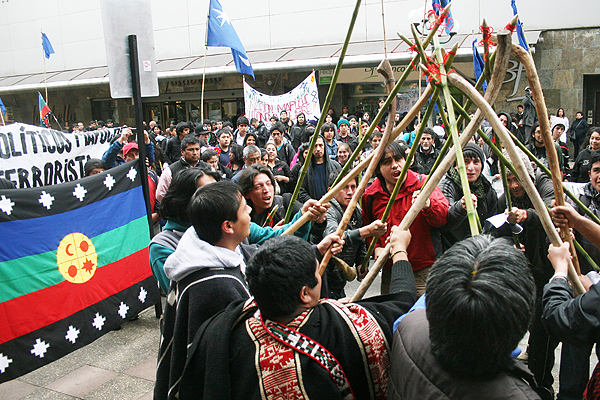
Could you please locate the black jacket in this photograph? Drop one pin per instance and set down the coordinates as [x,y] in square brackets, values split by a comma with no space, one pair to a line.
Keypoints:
[297,134]
[425,161]
[534,236]
[572,320]
[457,227]
[355,248]
[308,191]
[581,167]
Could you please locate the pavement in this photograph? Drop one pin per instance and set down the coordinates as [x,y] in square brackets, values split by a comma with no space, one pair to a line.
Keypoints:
[122,365]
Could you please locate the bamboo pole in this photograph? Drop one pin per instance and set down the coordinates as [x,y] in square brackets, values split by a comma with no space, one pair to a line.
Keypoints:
[328,98]
[460,161]
[364,163]
[540,104]
[446,123]
[385,69]
[401,178]
[392,95]
[569,194]
[495,83]
[457,81]
[409,158]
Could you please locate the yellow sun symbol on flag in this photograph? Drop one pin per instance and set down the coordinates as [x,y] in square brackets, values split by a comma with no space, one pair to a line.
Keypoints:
[76,258]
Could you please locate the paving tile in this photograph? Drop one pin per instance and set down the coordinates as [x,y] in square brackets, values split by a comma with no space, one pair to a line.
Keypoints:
[82,381]
[145,370]
[15,389]
[47,394]
[55,370]
[147,396]
[124,387]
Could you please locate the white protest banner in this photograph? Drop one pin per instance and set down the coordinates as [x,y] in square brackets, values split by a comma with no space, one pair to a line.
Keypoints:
[304,98]
[31,156]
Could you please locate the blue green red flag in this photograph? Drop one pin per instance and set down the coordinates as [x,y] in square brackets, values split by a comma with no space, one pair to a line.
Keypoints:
[73,266]
[44,111]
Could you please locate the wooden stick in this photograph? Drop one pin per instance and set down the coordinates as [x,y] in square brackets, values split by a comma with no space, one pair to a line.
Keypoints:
[392,95]
[364,163]
[540,105]
[457,81]
[501,65]
[401,178]
[385,69]
[328,98]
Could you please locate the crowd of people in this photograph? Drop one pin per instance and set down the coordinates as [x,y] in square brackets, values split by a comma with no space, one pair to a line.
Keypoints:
[243,297]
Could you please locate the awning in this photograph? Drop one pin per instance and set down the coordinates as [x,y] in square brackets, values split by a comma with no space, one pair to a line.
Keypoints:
[219,62]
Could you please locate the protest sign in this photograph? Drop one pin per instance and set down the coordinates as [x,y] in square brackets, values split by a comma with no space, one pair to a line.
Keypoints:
[303,98]
[32,156]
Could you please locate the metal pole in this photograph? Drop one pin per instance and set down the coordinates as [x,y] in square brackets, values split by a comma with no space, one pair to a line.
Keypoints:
[139,122]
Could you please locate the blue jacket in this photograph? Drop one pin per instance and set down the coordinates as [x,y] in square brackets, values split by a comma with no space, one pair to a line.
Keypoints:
[112,159]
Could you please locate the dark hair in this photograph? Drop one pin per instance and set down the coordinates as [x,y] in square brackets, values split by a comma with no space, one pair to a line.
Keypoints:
[189,140]
[222,131]
[480,299]
[228,124]
[93,163]
[212,205]
[275,286]
[236,154]
[246,181]
[208,154]
[375,133]
[250,134]
[430,132]
[328,126]
[334,175]
[535,126]
[398,151]
[183,186]
[563,110]
[586,141]
[594,157]
[181,126]
[242,121]
[253,120]
[277,126]
[301,150]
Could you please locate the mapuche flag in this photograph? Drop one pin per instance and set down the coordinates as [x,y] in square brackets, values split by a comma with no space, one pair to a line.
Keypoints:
[73,266]
[44,111]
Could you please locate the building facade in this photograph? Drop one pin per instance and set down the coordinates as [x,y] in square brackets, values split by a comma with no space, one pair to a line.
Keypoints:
[285,41]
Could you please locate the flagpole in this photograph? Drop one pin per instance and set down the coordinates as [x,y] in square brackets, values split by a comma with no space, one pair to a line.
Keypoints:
[202,94]
[204,69]
[2,117]
[383,23]
[45,83]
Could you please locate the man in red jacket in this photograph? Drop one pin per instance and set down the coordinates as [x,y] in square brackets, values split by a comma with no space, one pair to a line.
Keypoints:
[426,241]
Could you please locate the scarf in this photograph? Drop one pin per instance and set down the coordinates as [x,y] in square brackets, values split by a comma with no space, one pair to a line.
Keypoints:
[477,187]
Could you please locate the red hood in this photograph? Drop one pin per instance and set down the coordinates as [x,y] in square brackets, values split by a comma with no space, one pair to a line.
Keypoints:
[411,184]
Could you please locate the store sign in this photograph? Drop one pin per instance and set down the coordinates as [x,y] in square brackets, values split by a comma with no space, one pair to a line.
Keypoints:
[304,98]
[31,156]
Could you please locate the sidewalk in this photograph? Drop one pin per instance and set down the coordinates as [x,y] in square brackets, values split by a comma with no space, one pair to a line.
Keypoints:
[122,365]
[119,365]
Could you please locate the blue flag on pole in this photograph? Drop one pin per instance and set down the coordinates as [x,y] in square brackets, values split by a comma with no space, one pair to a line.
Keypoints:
[222,34]
[520,34]
[2,108]
[47,45]
[438,5]
[478,64]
